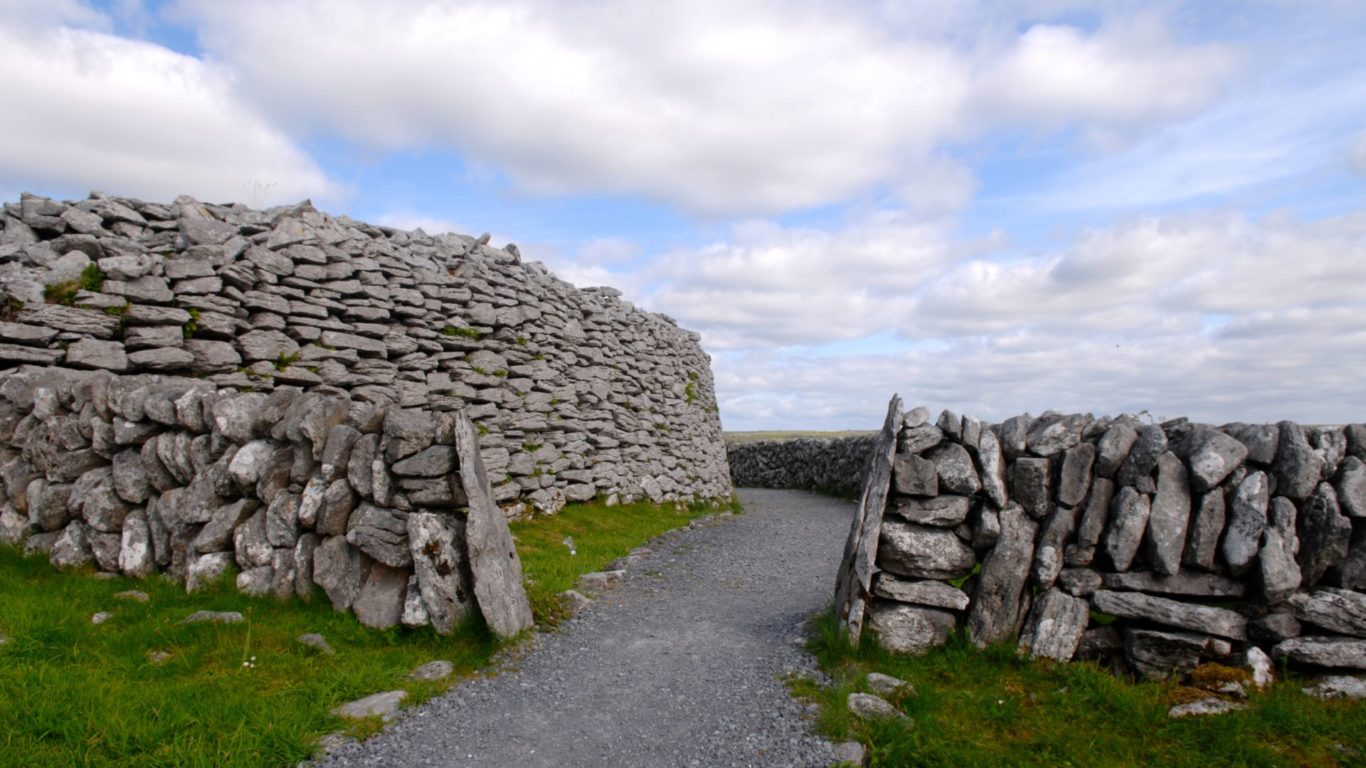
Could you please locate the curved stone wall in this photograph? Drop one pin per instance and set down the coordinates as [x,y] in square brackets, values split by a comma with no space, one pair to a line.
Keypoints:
[828,465]
[1161,545]
[576,393]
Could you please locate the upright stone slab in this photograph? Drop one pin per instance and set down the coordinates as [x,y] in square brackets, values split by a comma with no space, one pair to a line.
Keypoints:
[1247,521]
[1055,625]
[494,564]
[995,610]
[1170,515]
[853,584]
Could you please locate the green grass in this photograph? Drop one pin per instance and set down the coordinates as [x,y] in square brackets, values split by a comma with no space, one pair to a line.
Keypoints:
[755,437]
[91,279]
[601,534]
[73,693]
[993,708]
[81,694]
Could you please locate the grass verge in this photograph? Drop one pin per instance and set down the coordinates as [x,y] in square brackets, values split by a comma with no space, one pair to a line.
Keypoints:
[994,708]
[75,693]
[600,534]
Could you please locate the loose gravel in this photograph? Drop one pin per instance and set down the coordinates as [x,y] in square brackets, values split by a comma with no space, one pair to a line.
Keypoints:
[682,665]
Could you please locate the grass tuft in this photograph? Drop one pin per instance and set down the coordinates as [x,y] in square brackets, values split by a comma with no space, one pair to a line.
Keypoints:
[992,707]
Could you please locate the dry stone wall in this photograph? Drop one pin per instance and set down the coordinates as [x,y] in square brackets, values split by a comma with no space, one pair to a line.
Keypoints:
[386,509]
[829,465]
[575,393]
[1158,545]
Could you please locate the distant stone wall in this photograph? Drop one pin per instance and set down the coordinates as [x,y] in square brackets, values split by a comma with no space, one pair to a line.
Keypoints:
[576,393]
[1201,543]
[387,509]
[834,465]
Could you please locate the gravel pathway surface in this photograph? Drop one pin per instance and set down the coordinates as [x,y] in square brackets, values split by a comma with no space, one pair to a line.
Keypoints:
[682,665]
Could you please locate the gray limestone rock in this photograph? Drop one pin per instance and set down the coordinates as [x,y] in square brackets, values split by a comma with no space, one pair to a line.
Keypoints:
[1212,456]
[1113,448]
[304,550]
[1338,687]
[1029,486]
[213,617]
[380,533]
[204,570]
[1074,479]
[256,581]
[340,569]
[993,468]
[434,461]
[996,605]
[92,353]
[1052,434]
[135,547]
[1259,439]
[1351,486]
[935,594]
[923,552]
[1185,583]
[1273,628]
[955,469]
[951,424]
[216,536]
[1128,521]
[250,545]
[914,475]
[1054,627]
[383,705]
[440,569]
[211,356]
[1280,572]
[496,569]
[1247,521]
[1212,705]
[1336,652]
[1297,468]
[916,440]
[48,504]
[72,547]
[335,508]
[1337,610]
[380,601]
[1160,610]
[1206,526]
[1048,555]
[1143,456]
[1014,434]
[1160,655]
[1081,582]
[1325,535]
[909,629]
[1093,521]
[1169,516]
[941,511]
[341,439]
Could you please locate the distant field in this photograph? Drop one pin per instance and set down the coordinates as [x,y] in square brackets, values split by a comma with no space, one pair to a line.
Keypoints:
[754,437]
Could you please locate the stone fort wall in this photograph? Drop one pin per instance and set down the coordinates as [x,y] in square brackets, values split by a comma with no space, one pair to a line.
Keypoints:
[827,465]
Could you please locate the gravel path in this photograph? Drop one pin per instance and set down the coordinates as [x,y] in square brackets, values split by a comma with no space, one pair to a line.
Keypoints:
[683,665]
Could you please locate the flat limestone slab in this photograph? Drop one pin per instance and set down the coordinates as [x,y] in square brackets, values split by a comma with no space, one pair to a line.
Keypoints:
[493,557]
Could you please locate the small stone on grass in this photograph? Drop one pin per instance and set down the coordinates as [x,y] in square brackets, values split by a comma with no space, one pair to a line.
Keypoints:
[850,752]
[1338,687]
[317,642]
[888,685]
[870,707]
[135,595]
[383,704]
[217,617]
[158,657]
[576,600]
[600,580]
[101,617]
[1210,706]
[433,670]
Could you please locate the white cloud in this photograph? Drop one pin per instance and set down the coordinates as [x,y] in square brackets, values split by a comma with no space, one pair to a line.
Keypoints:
[92,110]
[1358,153]
[1130,71]
[715,106]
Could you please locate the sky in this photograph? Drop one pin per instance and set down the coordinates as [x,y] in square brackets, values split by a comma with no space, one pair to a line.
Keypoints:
[993,207]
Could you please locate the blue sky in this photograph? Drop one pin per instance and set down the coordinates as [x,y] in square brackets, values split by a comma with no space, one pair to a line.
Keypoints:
[989,206]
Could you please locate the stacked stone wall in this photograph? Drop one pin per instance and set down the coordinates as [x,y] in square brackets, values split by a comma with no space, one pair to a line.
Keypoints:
[576,393]
[1158,546]
[828,465]
[386,509]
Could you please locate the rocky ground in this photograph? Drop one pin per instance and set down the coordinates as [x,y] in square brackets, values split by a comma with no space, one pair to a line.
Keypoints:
[681,665]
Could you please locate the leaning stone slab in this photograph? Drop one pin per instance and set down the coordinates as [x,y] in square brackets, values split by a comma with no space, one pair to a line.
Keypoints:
[384,705]
[1337,652]
[1280,572]
[1172,613]
[1325,535]
[1336,610]
[1048,554]
[993,466]
[935,594]
[1054,627]
[1206,526]
[908,628]
[1128,522]
[923,552]
[996,606]
[1186,583]
[853,583]
[494,564]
